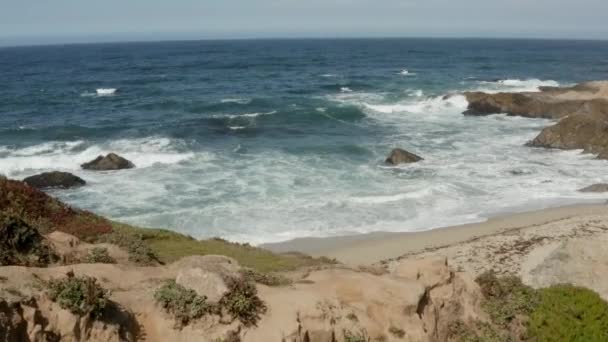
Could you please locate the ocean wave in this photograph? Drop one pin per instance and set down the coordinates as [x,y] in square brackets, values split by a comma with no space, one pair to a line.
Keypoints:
[428,105]
[406,72]
[106,91]
[58,155]
[346,90]
[246,115]
[237,128]
[516,85]
[242,101]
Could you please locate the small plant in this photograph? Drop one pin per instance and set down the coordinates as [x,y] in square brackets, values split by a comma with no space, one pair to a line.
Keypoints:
[242,301]
[267,279]
[569,313]
[360,336]
[80,295]
[397,332]
[139,252]
[184,304]
[352,317]
[99,255]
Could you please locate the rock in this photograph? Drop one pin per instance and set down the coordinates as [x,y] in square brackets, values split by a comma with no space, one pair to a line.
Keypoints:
[54,179]
[549,102]
[205,283]
[587,129]
[596,188]
[603,155]
[430,272]
[518,104]
[110,162]
[400,156]
[581,262]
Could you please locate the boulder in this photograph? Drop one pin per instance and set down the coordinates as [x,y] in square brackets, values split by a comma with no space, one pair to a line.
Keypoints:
[54,179]
[204,283]
[587,129]
[400,156]
[596,188]
[110,162]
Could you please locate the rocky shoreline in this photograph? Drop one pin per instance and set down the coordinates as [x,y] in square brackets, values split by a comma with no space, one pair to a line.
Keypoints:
[582,111]
[70,275]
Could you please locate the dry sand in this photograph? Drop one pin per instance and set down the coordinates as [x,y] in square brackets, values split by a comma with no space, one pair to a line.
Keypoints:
[372,248]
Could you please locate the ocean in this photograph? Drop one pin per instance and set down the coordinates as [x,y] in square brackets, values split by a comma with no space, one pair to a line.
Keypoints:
[267,140]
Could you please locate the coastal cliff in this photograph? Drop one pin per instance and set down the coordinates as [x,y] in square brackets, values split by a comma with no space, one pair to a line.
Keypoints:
[105,281]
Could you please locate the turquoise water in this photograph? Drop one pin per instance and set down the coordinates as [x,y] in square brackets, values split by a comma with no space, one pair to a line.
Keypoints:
[264,141]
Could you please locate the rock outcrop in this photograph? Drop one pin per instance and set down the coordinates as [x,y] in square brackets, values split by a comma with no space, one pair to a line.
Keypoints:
[595,188]
[549,102]
[518,104]
[585,129]
[54,179]
[583,110]
[110,162]
[400,156]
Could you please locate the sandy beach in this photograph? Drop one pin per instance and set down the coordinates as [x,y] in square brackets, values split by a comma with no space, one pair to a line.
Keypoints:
[372,248]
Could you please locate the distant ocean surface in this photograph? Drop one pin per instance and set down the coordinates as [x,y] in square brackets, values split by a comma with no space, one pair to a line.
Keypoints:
[264,141]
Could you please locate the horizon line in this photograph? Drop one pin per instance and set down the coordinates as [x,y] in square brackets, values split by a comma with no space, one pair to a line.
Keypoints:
[278,38]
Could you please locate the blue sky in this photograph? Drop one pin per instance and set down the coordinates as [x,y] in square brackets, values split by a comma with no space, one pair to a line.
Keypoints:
[102,20]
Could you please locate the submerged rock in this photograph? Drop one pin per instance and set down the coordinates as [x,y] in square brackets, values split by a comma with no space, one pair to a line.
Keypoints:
[110,162]
[54,179]
[400,156]
[602,187]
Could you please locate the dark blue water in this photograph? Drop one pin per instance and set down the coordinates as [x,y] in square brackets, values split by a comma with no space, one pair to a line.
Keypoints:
[268,140]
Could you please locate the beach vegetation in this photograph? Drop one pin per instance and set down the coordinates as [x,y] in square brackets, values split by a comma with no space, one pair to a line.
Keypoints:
[519,312]
[569,313]
[80,295]
[242,301]
[184,304]
[99,255]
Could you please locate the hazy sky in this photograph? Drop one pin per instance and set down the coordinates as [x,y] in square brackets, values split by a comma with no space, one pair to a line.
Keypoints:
[92,20]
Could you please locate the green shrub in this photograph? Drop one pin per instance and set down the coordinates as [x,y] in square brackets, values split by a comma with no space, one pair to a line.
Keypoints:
[80,295]
[139,252]
[99,255]
[267,279]
[506,298]
[242,301]
[569,313]
[184,304]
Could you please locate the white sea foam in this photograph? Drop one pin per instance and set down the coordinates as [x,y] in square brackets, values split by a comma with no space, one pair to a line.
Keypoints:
[237,128]
[406,72]
[245,115]
[346,90]
[242,101]
[516,85]
[69,155]
[106,91]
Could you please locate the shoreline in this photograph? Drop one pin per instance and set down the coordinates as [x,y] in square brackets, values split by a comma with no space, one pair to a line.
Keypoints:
[371,248]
